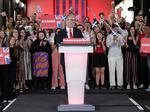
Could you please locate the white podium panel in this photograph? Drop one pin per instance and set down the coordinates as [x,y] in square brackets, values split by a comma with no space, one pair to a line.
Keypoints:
[76,67]
[76,64]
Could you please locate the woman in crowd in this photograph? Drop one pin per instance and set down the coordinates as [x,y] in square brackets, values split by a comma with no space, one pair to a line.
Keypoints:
[24,44]
[41,52]
[3,68]
[57,70]
[3,39]
[131,55]
[15,34]
[99,59]
[10,77]
[88,33]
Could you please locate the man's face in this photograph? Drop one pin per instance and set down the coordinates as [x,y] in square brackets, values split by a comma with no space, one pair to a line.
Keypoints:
[86,19]
[101,16]
[24,22]
[19,17]
[87,26]
[11,20]
[141,18]
[70,21]
[115,29]
[137,18]
[32,25]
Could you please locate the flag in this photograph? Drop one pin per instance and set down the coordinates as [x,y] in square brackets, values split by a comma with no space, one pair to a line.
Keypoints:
[114,33]
[63,17]
[3,14]
[94,24]
[78,7]
[59,19]
[59,25]
[4,56]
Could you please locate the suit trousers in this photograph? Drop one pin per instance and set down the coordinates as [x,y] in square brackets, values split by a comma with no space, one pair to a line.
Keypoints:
[115,63]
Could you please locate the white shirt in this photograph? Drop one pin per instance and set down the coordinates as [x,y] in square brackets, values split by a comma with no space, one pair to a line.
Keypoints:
[114,47]
[68,31]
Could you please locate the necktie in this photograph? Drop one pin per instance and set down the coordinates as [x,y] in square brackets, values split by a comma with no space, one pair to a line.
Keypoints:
[71,35]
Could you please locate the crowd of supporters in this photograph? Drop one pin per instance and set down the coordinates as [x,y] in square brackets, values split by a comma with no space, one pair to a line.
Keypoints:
[117,62]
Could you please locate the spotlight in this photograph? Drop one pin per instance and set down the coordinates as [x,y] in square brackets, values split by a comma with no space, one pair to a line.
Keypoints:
[22,4]
[17,1]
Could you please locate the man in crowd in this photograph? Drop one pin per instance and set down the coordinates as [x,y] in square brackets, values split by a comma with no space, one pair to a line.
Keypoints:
[115,59]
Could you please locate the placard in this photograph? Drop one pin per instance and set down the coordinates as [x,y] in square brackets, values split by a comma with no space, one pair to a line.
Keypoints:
[48,22]
[4,56]
[145,45]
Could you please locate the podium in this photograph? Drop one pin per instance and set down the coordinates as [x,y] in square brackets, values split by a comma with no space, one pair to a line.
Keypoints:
[76,67]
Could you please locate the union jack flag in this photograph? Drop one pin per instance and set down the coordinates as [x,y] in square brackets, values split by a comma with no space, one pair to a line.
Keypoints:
[4,56]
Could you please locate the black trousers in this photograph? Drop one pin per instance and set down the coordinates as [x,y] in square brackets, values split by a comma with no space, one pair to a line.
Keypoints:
[143,76]
[40,82]
[7,80]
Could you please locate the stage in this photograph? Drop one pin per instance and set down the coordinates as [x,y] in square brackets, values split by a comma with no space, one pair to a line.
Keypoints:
[103,100]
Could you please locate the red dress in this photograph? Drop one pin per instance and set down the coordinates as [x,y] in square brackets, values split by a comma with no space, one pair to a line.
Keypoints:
[99,57]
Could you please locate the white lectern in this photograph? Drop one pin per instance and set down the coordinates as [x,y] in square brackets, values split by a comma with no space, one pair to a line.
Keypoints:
[75,66]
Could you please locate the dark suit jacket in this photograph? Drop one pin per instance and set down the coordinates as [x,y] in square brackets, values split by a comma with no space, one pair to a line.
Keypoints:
[63,34]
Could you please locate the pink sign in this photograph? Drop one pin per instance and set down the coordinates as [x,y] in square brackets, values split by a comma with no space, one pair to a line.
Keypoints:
[48,22]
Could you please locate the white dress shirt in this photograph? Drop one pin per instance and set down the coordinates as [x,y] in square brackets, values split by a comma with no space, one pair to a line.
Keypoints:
[68,31]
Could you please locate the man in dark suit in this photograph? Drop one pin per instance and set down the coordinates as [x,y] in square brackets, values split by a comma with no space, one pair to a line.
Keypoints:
[70,31]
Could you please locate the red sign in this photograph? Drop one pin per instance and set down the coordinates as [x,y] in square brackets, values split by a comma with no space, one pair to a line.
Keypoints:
[4,56]
[48,22]
[76,41]
[145,45]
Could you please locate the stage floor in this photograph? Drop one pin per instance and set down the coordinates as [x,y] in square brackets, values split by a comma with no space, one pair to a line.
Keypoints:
[104,101]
